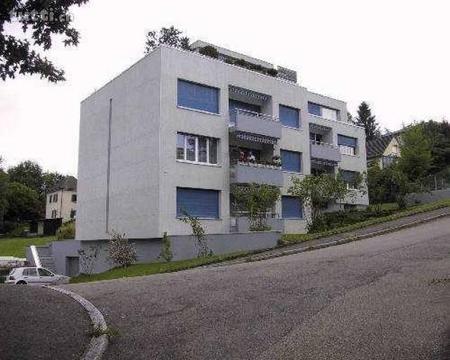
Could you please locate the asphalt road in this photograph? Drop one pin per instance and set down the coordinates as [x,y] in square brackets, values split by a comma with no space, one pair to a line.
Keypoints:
[386,297]
[39,323]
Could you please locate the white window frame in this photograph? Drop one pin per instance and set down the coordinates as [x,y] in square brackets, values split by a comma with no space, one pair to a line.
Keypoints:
[196,150]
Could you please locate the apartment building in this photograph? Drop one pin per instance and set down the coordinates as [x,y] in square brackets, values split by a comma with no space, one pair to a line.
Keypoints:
[176,129]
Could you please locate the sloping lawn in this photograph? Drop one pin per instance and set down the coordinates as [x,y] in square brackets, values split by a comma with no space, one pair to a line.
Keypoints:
[155,268]
[16,246]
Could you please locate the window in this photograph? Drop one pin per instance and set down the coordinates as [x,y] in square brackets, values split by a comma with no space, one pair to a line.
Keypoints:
[55,198]
[198,202]
[53,214]
[291,161]
[44,272]
[199,97]
[74,197]
[291,207]
[349,177]
[323,111]
[316,138]
[289,116]
[198,149]
[347,144]
[29,272]
[73,213]
[50,198]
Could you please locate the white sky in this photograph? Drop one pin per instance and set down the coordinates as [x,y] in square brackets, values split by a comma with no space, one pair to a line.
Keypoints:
[394,54]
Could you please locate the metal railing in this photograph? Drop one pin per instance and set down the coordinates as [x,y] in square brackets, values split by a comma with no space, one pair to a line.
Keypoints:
[321,143]
[234,113]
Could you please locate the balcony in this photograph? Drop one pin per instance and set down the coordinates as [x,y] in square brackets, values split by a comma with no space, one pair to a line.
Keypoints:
[246,172]
[247,123]
[323,151]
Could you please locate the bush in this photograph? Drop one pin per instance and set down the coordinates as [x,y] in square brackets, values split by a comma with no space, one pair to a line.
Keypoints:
[332,220]
[121,252]
[166,249]
[66,231]
[210,51]
[14,229]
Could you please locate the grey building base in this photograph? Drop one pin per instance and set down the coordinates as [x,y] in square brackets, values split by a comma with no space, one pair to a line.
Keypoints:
[68,261]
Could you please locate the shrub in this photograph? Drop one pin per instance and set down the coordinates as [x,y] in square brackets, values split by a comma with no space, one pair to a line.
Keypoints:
[166,249]
[121,252]
[210,51]
[66,231]
[198,231]
[15,229]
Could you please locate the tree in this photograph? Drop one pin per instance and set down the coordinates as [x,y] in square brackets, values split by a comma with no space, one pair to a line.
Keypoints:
[167,36]
[40,22]
[50,180]
[317,191]
[368,121]
[27,173]
[438,135]
[23,203]
[415,160]
[255,200]
[3,194]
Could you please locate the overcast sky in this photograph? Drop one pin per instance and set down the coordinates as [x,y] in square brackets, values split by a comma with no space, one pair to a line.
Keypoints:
[392,54]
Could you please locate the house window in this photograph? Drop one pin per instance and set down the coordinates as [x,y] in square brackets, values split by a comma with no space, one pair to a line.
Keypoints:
[50,198]
[291,161]
[53,214]
[196,149]
[316,138]
[74,197]
[289,116]
[73,213]
[349,177]
[323,111]
[347,144]
[291,207]
[198,202]
[55,198]
[199,97]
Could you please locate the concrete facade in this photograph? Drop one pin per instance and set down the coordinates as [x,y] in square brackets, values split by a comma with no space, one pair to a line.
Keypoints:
[128,173]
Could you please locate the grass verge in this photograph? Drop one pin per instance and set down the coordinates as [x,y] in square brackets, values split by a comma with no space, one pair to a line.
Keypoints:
[16,246]
[290,239]
[155,268]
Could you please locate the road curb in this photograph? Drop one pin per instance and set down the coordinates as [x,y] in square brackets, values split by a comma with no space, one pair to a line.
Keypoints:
[98,344]
[347,239]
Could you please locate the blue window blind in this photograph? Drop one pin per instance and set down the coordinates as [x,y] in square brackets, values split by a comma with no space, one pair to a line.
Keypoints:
[347,141]
[291,207]
[314,109]
[198,202]
[291,161]
[196,96]
[289,116]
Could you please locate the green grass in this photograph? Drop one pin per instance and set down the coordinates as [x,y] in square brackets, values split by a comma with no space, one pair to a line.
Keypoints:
[155,268]
[288,239]
[16,246]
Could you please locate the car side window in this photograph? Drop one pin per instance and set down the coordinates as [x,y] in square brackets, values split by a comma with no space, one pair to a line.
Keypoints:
[44,272]
[29,272]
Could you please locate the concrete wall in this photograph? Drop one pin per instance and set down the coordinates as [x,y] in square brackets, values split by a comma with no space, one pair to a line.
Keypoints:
[61,250]
[428,197]
[134,148]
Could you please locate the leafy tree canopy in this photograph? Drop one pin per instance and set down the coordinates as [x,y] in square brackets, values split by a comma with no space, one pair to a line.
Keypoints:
[27,173]
[368,121]
[23,203]
[167,36]
[40,21]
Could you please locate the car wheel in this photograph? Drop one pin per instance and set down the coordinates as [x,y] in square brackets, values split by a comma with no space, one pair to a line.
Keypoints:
[21,282]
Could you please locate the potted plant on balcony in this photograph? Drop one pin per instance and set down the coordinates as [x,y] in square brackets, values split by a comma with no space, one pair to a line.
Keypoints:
[276,160]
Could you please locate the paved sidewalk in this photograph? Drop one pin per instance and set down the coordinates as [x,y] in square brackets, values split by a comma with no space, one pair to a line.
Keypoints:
[39,323]
[367,231]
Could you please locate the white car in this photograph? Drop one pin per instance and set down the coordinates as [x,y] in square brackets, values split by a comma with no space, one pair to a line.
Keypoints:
[35,275]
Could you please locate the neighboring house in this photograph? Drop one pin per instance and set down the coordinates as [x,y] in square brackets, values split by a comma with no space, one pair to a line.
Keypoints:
[384,150]
[171,134]
[62,200]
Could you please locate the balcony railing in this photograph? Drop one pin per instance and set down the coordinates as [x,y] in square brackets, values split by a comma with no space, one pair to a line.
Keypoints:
[321,150]
[247,172]
[251,122]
